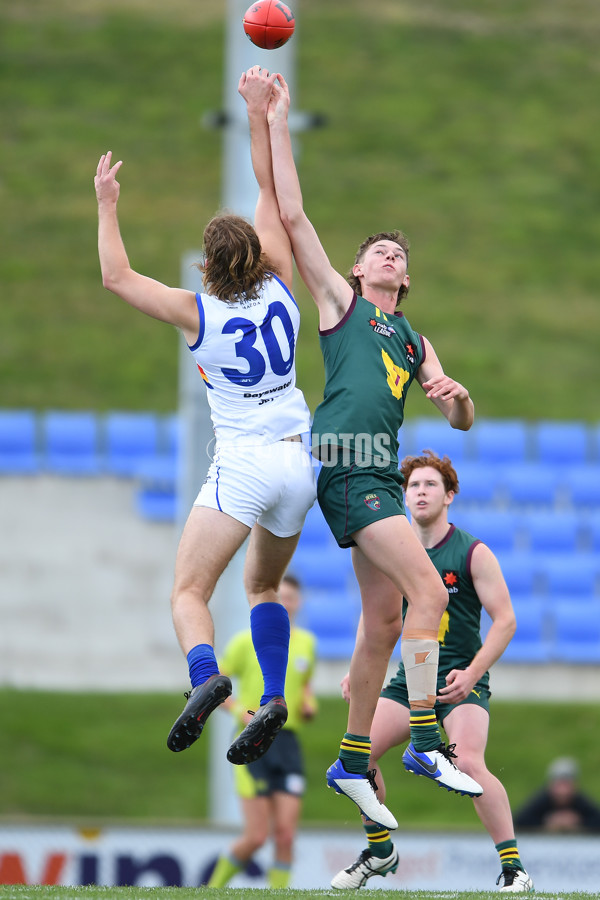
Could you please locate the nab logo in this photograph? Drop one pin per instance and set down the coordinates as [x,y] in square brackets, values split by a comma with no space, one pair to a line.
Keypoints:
[450,579]
[373,501]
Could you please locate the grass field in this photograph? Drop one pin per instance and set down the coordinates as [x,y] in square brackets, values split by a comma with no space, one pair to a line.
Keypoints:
[99,760]
[95,758]
[472,126]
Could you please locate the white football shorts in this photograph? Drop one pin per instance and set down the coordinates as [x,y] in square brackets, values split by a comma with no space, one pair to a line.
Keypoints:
[272,484]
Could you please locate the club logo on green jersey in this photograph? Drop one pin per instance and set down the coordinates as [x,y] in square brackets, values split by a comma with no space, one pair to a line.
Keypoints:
[373,501]
[381,328]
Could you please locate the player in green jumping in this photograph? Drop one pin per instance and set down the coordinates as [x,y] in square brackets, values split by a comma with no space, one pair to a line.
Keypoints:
[371,357]
[473,580]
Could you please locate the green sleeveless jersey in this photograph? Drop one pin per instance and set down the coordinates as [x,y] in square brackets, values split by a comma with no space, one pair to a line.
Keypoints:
[460,628]
[370,358]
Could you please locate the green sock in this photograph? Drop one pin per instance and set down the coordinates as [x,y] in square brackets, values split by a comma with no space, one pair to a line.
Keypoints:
[279,875]
[224,871]
[380,844]
[424,730]
[509,854]
[355,752]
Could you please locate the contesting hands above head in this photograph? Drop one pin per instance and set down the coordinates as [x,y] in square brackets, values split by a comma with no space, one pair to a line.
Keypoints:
[255,86]
[279,102]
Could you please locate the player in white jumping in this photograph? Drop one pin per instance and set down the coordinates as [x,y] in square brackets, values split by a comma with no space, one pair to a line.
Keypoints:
[242,333]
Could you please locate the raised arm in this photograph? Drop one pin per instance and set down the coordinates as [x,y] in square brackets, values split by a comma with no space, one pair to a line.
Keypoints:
[450,397]
[255,86]
[331,292]
[172,305]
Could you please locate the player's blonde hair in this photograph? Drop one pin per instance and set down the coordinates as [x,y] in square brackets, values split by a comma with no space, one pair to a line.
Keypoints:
[234,263]
[429,458]
[399,238]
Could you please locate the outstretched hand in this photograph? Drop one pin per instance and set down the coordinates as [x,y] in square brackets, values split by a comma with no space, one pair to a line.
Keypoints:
[105,181]
[279,102]
[255,86]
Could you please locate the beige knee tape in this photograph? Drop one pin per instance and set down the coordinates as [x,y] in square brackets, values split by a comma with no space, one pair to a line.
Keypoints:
[420,658]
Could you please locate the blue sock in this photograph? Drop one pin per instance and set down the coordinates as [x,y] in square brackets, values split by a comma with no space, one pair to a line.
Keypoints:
[270,627]
[203,663]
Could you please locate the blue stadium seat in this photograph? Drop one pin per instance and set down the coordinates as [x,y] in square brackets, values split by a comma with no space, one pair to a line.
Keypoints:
[333,617]
[520,573]
[561,442]
[18,444]
[156,497]
[595,449]
[315,532]
[436,435]
[170,439]
[591,527]
[131,441]
[557,532]
[486,624]
[570,574]
[531,642]
[496,528]
[323,567]
[479,484]
[71,443]
[530,484]
[577,631]
[157,505]
[582,484]
[500,441]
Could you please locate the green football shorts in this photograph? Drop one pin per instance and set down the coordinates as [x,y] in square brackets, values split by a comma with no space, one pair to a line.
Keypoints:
[480,695]
[352,497]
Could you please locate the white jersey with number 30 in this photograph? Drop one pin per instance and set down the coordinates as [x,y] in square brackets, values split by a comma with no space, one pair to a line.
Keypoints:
[245,352]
